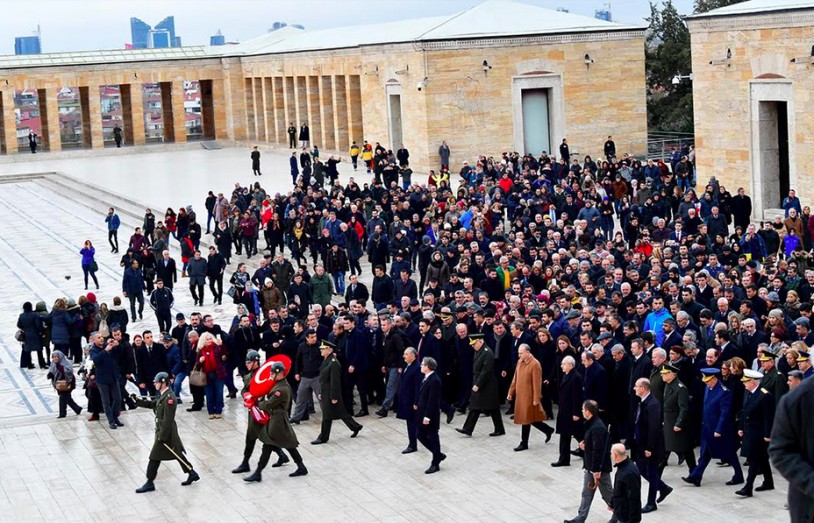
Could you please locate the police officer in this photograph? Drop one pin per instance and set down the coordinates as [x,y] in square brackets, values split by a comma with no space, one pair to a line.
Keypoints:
[755,427]
[167,445]
[254,428]
[277,433]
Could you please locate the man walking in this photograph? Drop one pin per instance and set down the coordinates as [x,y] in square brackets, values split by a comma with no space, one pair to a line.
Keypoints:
[526,391]
[161,300]
[256,162]
[113,223]
[596,461]
[167,445]
[627,487]
[428,413]
[330,397]
[485,397]
[648,442]
[107,377]
[756,420]
[133,289]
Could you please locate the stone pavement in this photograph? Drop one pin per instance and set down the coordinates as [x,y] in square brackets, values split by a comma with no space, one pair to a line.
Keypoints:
[73,470]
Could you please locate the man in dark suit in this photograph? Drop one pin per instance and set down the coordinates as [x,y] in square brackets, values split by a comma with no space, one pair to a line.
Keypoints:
[356,347]
[755,427]
[408,397]
[428,413]
[165,270]
[569,415]
[356,291]
[648,443]
[151,359]
[595,380]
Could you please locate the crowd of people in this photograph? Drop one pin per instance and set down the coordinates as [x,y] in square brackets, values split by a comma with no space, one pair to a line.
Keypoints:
[611,297]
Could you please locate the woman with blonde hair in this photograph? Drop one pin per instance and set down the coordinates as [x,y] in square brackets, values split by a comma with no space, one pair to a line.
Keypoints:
[210,355]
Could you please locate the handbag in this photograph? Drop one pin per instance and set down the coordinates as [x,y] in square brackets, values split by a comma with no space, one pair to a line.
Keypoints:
[232,291]
[62,385]
[19,335]
[197,378]
[94,266]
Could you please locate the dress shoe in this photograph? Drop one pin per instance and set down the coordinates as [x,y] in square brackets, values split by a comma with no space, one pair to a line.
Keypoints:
[211,416]
[255,477]
[745,492]
[571,521]
[363,413]
[663,493]
[649,508]
[432,470]
[192,478]
[764,488]
[450,415]
[548,435]
[496,433]
[680,460]
[119,423]
[692,481]
[240,469]
[194,409]
[578,453]
[409,450]
[442,458]
[232,394]
[356,431]
[113,426]
[522,446]
[147,487]
[294,421]
[318,442]
[282,460]
[462,431]
[301,471]
[62,416]
[93,417]
[734,481]
[382,413]
[78,411]
[560,464]
[461,410]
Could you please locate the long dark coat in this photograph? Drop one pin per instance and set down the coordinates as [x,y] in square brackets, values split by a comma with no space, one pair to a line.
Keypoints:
[648,432]
[756,420]
[409,385]
[330,383]
[166,431]
[717,404]
[483,375]
[570,395]
[676,408]
[278,431]
[32,327]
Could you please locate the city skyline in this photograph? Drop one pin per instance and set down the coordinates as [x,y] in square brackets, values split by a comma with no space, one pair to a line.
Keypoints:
[198,20]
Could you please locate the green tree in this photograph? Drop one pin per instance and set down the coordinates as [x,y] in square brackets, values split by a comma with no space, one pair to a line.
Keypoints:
[667,54]
[703,6]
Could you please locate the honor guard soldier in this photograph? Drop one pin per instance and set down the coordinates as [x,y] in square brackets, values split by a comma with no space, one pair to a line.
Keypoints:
[755,427]
[167,445]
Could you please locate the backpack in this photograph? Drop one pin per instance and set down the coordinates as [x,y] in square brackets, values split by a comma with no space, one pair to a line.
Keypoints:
[103,328]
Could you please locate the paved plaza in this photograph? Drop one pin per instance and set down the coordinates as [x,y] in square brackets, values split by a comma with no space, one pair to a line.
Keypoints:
[73,470]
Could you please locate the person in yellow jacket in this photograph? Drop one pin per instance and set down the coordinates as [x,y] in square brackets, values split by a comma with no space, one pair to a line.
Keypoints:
[354,154]
[367,156]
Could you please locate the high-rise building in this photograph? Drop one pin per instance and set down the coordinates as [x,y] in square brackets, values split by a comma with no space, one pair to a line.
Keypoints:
[139,34]
[279,25]
[27,45]
[217,39]
[603,14]
[163,35]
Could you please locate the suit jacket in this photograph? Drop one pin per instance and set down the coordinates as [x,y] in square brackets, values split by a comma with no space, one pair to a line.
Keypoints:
[570,396]
[429,402]
[360,294]
[151,362]
[673,339]
[409,386]
[756,421]
[428,346]
[166,272]
[595,384]
[647,433]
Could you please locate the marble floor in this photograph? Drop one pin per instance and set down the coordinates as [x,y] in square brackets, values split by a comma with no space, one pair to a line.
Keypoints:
[73,470]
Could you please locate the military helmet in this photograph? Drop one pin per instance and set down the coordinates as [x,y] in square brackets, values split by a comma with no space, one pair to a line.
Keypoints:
[252,355]
[161,377]
[277,367]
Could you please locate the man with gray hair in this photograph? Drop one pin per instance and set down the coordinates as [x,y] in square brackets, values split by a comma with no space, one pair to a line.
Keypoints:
[428,413]
[107,376]
[569,415]
[648,443]
[627,487]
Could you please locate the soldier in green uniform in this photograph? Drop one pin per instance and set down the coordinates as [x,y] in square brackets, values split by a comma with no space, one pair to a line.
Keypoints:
[278,433]
[254,428]
[485,397]
[773,381]
[167,445]
[330,382]
[676,408]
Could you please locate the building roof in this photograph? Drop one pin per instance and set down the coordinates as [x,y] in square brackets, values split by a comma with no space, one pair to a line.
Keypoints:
[490,19]
[753,7]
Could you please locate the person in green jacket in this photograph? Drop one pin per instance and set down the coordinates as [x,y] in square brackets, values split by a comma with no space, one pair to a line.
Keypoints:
[321,286]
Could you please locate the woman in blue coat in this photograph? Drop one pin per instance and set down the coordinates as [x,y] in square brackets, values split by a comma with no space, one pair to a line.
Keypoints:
[88,263]
[61,322]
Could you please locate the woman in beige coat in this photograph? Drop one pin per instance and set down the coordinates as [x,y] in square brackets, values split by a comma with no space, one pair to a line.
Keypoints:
[526,390]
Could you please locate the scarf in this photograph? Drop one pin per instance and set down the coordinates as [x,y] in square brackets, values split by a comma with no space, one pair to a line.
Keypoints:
[298,232]
[65,363]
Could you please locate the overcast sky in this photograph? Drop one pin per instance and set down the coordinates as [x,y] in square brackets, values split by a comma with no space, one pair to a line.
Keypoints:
[79,25]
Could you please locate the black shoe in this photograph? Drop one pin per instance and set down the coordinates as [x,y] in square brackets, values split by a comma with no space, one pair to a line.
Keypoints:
[432,470]
[462,431]
[240,469]
[318,442]
[496,433]
[194,409]
[745,492]
[356,431]
[119,423]
[734,482]
[192,478]
[522,446]
[561,464]
[255,477]
[294,421]
[113,426]
[443,457]
[548,435]
[382,412]
[282,460]
[147,487]
[649,508]
[764,488]
[692,481]
[362,414]
[409,450]
[664,493]
[62,416]
[450,415]
[301,471]
[461,410]
[578,453]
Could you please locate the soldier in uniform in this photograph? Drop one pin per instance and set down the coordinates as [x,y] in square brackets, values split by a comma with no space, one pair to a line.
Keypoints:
[676,409]
[330,398]
[277,433]
[804,364]
[254,428]
[485,396]
[717,432]
[167,445]
[773,381]
[755,427]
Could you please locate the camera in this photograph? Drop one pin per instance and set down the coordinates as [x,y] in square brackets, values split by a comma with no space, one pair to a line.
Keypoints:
[422,84]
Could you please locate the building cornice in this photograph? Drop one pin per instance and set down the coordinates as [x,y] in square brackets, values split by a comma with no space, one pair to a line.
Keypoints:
[783,19]
[520,41]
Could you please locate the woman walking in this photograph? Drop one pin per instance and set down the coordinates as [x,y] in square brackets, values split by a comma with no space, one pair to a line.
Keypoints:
[64,381]
[210,361]
[32,328]
[88,263]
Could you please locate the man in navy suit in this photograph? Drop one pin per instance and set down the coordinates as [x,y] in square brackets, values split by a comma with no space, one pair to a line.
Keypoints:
[428,413]
[648,443]
[408,397]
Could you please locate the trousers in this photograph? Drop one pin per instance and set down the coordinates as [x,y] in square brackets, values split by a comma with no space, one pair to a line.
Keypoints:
[308,386]
[650,471]
[111,400]
[428,436]
[605,490]
[347,419]
[153,464]
[474,414]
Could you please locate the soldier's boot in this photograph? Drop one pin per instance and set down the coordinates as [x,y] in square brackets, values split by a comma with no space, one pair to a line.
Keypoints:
[301,471]
[282,459]
[147,487]
[243,467]
[192,478]
[255,477]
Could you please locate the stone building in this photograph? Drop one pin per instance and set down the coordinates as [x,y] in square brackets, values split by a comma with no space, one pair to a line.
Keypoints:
[500,76]
[753,76]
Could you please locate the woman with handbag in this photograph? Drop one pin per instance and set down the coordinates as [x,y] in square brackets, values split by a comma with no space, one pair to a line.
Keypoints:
[210,372]
[88,372]
[89,265]
[64,381]
[30,335]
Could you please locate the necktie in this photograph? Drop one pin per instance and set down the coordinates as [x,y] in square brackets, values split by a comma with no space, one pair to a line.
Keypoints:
[420,342]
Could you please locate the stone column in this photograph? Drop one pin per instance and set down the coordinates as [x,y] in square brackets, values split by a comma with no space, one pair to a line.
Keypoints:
[219,110]
[234,97]
[326,106]
[341,120]
[90,105]
[132,99]
[8,122]
[49,118]
[178,112]
[314,111]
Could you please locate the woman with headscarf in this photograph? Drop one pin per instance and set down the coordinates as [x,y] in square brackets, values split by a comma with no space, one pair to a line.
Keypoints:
[32,328]
[64,381]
